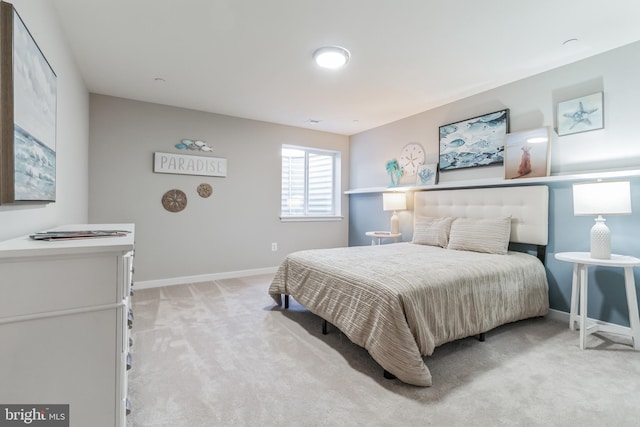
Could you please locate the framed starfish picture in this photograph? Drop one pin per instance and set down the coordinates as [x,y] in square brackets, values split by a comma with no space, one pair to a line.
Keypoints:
[581,114]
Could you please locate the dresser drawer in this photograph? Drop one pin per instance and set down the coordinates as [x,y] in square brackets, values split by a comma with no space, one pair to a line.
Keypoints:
[65,359]
[36,285]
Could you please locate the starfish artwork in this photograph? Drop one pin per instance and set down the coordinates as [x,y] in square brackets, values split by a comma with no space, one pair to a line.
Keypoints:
[581,115]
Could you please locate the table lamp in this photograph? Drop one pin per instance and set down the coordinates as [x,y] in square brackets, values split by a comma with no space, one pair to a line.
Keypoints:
[394,202]
[601,198]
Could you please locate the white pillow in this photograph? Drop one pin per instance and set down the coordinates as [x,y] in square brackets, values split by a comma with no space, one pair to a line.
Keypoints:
[490,235]
[431,231]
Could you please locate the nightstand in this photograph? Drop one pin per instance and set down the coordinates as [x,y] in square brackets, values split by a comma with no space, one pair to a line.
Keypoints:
[382,235]
[581,261]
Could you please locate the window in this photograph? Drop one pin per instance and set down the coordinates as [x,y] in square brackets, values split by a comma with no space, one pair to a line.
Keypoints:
[310,184]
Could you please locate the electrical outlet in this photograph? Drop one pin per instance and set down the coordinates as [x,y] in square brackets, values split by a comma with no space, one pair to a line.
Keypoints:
[274,247]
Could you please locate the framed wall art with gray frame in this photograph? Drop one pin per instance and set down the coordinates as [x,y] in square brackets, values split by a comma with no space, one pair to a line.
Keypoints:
[478,141]
[581,114]
[28,92]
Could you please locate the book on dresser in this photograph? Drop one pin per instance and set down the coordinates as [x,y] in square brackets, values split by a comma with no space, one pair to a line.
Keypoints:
[76,234]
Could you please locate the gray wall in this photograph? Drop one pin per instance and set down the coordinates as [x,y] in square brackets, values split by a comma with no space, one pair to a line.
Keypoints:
[232,230]
[532,104]
[72,132]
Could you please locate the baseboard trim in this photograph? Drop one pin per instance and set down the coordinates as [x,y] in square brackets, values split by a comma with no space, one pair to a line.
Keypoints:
[147,284]
[613,328]
[561,316]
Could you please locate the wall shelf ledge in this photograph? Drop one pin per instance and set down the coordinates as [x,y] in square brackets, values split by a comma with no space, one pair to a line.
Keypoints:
[500,182]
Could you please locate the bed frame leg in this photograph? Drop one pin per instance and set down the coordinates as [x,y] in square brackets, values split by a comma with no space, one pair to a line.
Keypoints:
[286,301]
[324,327]
[481,337]
[388,375]
[541,253]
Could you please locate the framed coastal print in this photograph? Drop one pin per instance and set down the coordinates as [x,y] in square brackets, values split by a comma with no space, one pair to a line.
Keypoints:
[478,141]
[526,153]
[28,119]
[581,114]
[427,174]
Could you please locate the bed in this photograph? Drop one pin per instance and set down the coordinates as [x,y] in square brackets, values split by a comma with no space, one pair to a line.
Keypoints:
[455,279]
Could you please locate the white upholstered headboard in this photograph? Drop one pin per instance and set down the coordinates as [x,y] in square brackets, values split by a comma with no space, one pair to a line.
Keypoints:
[527,205]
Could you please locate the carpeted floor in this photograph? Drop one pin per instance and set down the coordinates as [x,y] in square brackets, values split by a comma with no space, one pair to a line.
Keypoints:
[222,354]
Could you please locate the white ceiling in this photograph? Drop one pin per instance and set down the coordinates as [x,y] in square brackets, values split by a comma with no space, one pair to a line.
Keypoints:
[253,58]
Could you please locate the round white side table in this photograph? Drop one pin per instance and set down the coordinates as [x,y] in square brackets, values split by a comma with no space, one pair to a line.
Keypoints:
[382,235]
[581,261]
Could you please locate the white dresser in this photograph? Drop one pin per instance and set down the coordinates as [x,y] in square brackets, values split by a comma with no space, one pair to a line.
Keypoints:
[64,329]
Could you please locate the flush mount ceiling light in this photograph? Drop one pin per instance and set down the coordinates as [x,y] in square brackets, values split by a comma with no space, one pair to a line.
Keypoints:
[331,56]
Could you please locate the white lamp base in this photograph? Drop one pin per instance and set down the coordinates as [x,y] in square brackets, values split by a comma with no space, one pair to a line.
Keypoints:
[600,240]
[395,224]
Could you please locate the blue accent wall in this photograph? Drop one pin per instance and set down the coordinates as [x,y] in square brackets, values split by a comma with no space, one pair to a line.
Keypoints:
[567,233]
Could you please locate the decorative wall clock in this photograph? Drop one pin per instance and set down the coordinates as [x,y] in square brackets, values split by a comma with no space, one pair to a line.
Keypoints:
[411,156]
[205,190]
[174,200]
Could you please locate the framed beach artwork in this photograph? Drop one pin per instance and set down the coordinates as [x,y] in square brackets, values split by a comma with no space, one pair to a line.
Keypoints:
[427,174]
[527,153]
[581,114]
[478,141]
[28,119]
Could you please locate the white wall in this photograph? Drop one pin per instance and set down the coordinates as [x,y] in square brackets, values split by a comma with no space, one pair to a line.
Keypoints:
[232,230]
[532,103]
[72,132]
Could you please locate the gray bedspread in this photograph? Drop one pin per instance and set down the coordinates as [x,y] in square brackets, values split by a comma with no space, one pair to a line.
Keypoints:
[400,301]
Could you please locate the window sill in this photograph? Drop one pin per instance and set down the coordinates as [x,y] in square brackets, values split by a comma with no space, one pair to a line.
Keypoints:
[310,218]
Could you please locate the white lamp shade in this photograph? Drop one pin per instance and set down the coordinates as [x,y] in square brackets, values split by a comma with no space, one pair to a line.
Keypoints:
[602,198]
[394,201]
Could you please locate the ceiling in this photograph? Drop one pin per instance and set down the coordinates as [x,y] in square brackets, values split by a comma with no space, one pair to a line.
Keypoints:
[253,58]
